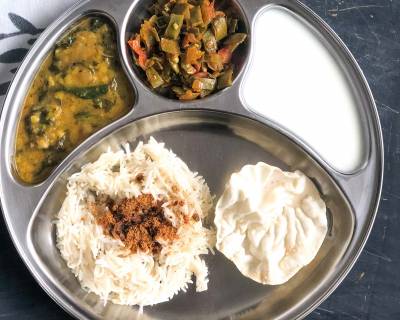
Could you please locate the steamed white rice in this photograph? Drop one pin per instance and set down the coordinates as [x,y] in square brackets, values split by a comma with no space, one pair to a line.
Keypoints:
[103,264]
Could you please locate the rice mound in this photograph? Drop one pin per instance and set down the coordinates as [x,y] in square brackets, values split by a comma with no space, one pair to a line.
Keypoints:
[103,264]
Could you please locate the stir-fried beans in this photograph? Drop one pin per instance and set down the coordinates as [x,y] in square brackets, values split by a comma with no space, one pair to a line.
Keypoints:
[79,89]
[185,48]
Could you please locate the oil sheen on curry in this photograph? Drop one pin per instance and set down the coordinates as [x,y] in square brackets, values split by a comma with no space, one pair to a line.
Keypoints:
[79,89]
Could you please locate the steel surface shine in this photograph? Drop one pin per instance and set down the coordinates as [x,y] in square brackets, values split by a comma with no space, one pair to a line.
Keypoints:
[215,136]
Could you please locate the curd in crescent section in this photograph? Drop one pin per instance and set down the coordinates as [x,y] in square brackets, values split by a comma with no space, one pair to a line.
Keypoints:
[303,88]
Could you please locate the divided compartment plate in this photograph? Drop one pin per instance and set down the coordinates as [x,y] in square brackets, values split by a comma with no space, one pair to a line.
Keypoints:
[214,136]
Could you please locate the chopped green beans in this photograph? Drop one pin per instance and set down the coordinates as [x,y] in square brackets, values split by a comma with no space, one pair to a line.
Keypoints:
[232,25]
[185,48]
[214,62]
[149,33]
[225,80]
[201,84]
[209,42]
[169,46]
[174,27]
[182,9]
[196,18]
[220,28]
[234,40]
[154,78]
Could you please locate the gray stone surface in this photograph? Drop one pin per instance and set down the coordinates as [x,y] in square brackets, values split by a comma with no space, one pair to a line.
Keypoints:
[371,29]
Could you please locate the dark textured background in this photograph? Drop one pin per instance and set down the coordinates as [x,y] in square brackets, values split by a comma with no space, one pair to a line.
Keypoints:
[371,29]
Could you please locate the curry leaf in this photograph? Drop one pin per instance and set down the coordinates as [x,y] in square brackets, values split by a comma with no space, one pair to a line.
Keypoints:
[88,92]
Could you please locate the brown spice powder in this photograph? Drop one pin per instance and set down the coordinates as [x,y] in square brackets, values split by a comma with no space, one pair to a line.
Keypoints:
[138,222]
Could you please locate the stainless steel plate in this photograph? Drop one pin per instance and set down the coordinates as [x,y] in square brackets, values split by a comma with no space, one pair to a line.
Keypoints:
[215,136]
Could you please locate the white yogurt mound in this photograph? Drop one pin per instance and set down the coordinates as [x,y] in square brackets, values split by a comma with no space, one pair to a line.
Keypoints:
[270,223]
